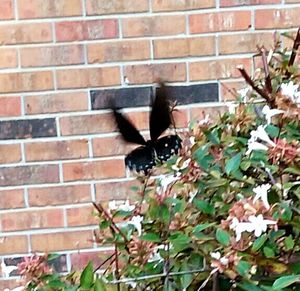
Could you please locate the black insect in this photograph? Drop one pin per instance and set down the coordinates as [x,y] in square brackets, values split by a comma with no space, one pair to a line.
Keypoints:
[143,158]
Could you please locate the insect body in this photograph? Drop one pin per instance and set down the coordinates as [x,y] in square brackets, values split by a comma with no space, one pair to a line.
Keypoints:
[143,158]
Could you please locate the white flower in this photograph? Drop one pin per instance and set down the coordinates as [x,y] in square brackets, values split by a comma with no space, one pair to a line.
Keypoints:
[243,93]
[260,224]
[20,288]
[231,106]
[240,227]
[183,166]
[215,255]
[262,193]
[126,206]
[269,113]
[6,270]
[112,205]
[166,180]
[123,207]
[192,140]
[136,221]
[155,256]
[291,90]
[224,261]
[205,121]
[255,146]
[261,134]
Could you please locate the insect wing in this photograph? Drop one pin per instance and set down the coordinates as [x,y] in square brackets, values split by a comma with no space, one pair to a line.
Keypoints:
[167,146]
[127,129]
[160,117]
[142,159]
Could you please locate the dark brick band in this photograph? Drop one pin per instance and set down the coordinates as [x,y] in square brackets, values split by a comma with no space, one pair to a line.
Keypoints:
[31,128]
[141,96]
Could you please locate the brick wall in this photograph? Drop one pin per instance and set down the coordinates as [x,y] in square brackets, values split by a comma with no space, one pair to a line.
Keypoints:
[62,60]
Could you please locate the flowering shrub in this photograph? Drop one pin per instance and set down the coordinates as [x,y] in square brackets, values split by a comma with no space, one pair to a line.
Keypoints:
[224,214]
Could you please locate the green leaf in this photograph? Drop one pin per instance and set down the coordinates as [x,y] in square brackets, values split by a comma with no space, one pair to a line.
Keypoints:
[203,226]
[56,284]
[153,237]
[99,285]
[243,268]
[52,257]
[223,237]
[180,241]
[285,281]
[259,242]
[213,137]
[185,279]
[272,131]
[87,276]
[233,164]
[204,206]
[269,252]
[247,286]
[165,213]
[292,170]
[289,243]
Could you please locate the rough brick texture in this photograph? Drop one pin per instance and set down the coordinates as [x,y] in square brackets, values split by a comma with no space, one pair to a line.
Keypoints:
[62,62]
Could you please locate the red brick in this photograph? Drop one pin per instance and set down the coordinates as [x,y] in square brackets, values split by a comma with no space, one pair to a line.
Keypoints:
[222,21]
[25,33]
[147,74]
[27,220]
[244,43]
[86,30]
[51,242]
[26,81]
[226,3]
[99,7]
[110,146]
[153,26]
[181,117]
[37,174]
[80,260]
[277,18]
[8,57]
[49,8]
[13,244]
[6,9]
[10,153]
[87,124]
[171,5]
[184,47]
[56,150]
[52,103]
[59,195]
[10,106]
[139,119]
[217,69]
[95,170]
[11,199]
[81,216]
[117,191]
[9,284]
[52,56]
[93,77]
[118,51]
[229,89]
